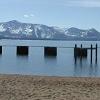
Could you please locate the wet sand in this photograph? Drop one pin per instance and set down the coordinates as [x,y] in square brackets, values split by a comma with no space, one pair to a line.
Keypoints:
[18,87]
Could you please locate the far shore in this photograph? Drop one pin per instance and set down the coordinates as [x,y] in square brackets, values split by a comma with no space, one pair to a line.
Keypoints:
[28,87]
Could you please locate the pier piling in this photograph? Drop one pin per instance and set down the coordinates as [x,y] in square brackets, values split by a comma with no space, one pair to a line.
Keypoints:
[50,51]
[91,53]
[22,50]
[82,52]
[0,49]
[96,53]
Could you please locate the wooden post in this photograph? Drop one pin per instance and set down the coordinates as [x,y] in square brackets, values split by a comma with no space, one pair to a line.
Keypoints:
[75,53]
[81,46]
[0,49]
[81,52]
[75,50]
[96,53]
[91,53]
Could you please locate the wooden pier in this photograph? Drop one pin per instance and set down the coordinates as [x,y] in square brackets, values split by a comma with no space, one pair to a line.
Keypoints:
[80,52]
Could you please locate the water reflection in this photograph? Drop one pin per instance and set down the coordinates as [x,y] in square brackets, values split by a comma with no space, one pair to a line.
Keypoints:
[83,68]
[23,57]
[93,69]
[37,64]
[49,59]
[22,60]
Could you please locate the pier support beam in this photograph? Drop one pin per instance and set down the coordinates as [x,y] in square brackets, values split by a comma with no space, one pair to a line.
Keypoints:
[80,52]
[22,50]
[96,53]
[91,52]
[75,53]
[50,51]
[0,49]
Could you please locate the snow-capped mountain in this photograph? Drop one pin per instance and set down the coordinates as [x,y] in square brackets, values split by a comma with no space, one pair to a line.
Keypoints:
[17,30]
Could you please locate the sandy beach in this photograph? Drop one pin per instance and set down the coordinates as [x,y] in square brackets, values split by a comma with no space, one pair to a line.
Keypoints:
[18,87]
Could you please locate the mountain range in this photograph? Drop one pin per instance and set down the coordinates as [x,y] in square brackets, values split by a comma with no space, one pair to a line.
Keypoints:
[17,30]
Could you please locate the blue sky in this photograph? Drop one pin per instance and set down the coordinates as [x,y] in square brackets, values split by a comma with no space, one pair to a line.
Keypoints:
[63,13]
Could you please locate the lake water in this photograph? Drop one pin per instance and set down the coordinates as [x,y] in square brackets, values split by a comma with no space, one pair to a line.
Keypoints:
[37,64]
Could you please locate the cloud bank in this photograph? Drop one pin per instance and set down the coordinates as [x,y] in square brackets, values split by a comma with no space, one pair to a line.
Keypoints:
[83,3]
[28,15]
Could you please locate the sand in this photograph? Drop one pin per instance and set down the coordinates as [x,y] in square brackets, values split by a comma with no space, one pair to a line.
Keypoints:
[18,87]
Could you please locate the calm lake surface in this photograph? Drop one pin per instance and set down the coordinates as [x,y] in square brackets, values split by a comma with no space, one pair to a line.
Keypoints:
[37,64]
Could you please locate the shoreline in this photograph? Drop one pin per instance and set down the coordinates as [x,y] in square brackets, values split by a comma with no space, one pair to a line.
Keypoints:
[29,87]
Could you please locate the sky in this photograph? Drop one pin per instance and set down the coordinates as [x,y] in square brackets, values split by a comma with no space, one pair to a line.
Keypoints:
[82,14]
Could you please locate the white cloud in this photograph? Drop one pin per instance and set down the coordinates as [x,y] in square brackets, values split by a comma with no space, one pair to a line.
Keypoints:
[28,16]
[83,3]
[32,15]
